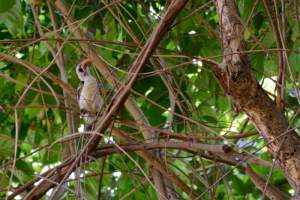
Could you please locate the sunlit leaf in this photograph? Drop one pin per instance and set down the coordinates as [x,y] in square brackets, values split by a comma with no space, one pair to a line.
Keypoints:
[11,16]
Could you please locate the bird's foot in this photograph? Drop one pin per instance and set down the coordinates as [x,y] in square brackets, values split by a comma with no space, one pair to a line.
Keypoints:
[89,127]
[83,111]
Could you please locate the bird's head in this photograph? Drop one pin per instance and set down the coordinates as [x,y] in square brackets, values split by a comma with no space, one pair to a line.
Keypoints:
[81,68]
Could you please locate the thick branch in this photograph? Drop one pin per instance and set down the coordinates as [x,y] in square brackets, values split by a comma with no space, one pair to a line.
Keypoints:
[270,191]
[219,152]
[158,165]
[103,67]
[123,92]
[235,77]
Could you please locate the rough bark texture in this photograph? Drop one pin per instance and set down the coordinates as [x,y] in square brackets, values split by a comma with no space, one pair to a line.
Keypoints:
[235,77]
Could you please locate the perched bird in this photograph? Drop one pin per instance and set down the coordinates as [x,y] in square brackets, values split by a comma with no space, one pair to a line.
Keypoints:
[88,95]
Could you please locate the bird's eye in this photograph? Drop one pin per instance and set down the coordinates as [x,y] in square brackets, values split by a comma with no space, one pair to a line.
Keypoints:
[80,69]
[82,82]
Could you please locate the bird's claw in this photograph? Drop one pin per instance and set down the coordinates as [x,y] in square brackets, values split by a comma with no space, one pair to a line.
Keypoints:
[83,111]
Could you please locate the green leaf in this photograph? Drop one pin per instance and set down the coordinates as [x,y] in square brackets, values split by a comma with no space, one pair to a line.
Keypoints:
[238,185]
[5,5]
[4,180]
[6,146]
[12,17]
[25,167]
[21,78]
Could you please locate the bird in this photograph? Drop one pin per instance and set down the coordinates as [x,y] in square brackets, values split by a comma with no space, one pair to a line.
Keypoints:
[89,98]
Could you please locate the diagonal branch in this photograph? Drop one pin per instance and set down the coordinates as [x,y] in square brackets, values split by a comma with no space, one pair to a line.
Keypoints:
[103,67]
[124,90]
[271,191]
[121,95]
[65,86]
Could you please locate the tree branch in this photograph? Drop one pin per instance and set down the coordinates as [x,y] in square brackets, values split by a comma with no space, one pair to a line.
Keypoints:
[120,96]
[235,77]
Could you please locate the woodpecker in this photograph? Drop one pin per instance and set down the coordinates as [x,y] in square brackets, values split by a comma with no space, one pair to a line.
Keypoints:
[88,96]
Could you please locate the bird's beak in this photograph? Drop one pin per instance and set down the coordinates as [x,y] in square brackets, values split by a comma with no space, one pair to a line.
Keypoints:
[85,63]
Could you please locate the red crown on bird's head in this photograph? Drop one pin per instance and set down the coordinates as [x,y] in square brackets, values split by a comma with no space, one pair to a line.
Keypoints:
[84,63]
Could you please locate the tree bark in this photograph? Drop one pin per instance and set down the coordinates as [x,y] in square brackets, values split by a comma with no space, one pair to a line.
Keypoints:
[234,75]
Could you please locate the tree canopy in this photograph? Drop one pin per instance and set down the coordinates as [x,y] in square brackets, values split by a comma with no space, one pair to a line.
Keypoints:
[200,99]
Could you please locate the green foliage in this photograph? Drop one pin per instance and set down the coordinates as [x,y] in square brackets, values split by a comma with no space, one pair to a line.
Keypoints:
[6,5]
[6,147]
[11,16]
[204,108]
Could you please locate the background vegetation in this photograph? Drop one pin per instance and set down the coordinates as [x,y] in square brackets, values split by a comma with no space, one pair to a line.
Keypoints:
[176,91]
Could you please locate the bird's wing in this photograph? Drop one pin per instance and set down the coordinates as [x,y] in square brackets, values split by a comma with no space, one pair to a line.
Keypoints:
[79,91]
[100,88]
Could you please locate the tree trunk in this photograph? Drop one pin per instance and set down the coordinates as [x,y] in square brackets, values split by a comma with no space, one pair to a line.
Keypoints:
[234,75]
